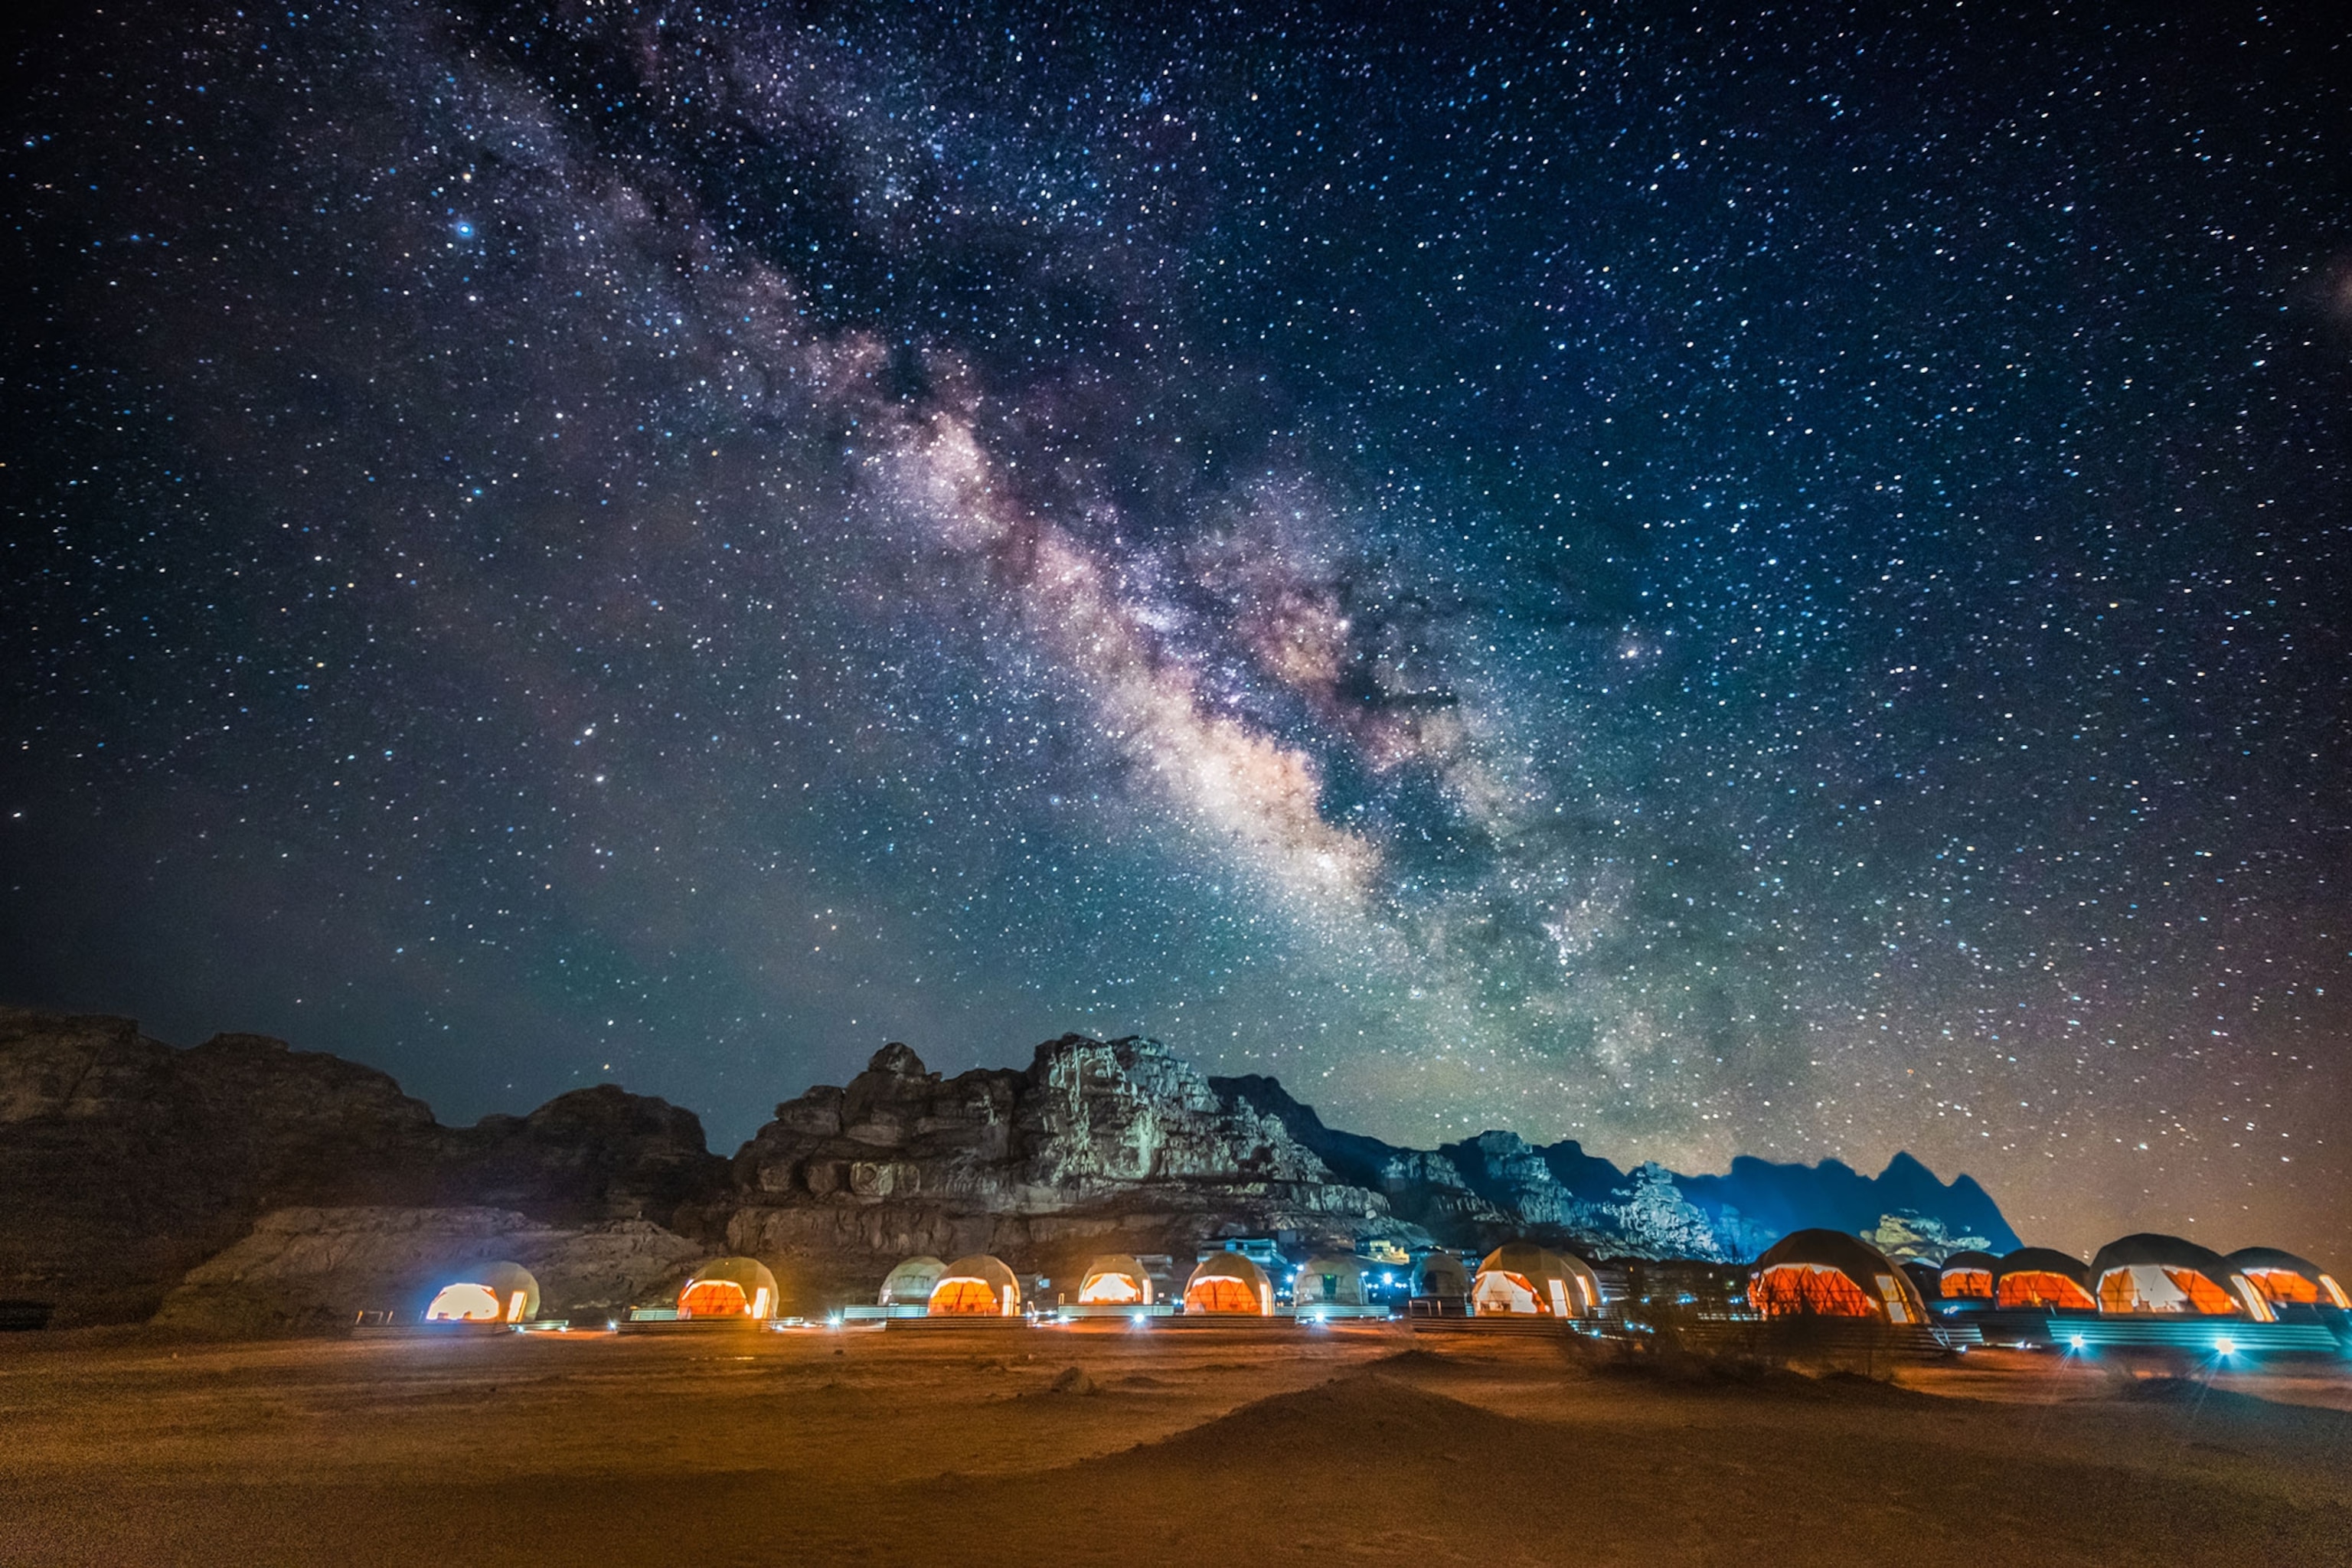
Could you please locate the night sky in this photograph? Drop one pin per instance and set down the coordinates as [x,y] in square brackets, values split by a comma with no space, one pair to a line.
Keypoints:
[1706,583]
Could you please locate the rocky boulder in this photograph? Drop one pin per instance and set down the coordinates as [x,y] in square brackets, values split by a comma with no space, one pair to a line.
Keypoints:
[305,1269]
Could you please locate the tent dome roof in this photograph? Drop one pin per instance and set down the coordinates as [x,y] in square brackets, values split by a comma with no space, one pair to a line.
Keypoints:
[1346,1272]
[2044,1260]
[1440,1274]
[1983,1260]
[1859,1261]
[2130,1275]
[747,1274]
[1113,1265]
[910,1281]
[1580,1286]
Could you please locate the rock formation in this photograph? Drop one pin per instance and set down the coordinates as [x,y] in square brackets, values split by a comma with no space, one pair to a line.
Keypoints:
[267,1189]
[304,1269]
[124,1162]
[1100,1146]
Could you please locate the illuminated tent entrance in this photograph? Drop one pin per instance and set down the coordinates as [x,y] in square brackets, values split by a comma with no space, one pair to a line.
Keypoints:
[2163,1274]
[1115,1286]
[1522,1279]
[2039,1279]
[1966,1276]
[487,1294]
[729,1288]
[1829,1273]
[1441,1286]
[1229,1285]
[976,1287]
[2286,1280]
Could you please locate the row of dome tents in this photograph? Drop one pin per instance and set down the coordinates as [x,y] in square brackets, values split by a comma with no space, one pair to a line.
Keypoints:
[1827,1273]
[507,1295]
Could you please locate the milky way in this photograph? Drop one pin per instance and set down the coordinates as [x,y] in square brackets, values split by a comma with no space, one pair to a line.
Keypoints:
[1710,586]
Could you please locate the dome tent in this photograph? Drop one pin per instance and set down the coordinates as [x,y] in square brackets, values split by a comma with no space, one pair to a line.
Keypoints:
[1228,1282]
[910,1283]
[976,1287]
[2164,1274]
[1328,1280]
[1439,1276]
[730,1287]
[1829,1273]
[1114,1279]
[1519,1277]
[487,1293]
[2042,1276]
[1966,1276]
[2286,1280]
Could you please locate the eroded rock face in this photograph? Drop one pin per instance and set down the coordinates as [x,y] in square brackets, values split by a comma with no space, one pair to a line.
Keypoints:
[1100,1145]
[124,1162]
[304,1269]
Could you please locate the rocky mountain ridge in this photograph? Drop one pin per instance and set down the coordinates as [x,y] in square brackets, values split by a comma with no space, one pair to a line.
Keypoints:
[263,1187]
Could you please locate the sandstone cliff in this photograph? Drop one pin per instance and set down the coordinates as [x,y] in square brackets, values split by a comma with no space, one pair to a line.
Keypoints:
[1098,1146]
[124,1162]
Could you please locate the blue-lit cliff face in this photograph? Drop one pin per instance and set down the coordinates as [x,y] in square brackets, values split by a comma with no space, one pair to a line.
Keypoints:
[1481,1187]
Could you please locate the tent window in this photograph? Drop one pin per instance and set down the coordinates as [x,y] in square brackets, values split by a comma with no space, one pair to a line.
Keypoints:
[714,1298]
[1787,1290]
[1219,1294]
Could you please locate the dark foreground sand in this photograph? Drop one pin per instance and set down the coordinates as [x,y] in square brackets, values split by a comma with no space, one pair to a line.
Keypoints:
[1369,1446]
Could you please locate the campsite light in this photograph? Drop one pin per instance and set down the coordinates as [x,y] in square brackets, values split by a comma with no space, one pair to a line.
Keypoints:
[2225,1345]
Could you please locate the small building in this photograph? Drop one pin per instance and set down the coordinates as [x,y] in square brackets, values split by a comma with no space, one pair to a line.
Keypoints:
[2286,1280]
[1966,1276]
[1829,1273]
[1521,1278]
[487,1293]
[729,1287]
[1116,1279]
[1229,1282]
[2042,1278]
[976,1287]
[910,1283]
[2164,1274]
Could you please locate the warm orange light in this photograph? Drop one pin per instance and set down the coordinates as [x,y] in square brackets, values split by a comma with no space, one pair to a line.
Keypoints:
[1219,1294]
[2285,1287]
[1110,1290]
[1967,1284]
[2149,1287]
[713,1298]
[1815,1289]
[965,1297]
[464,1303]
[2038,1287]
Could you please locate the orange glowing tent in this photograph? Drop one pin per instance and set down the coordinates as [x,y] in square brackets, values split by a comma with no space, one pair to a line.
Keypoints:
[1519,1277]
[911,1283]
[1829,1273]
[1966,1276]
[2286,1280]
[976,1287]
[2042,1276]
[487,1293]
[730,1287]
[1114,1279]
[2164,1274]
[1229,1282]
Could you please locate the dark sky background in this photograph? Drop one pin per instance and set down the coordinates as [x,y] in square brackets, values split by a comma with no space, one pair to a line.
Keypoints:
[1706,582]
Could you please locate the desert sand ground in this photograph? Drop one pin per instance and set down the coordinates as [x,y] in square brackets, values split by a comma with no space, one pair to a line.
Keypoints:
[1367,1444]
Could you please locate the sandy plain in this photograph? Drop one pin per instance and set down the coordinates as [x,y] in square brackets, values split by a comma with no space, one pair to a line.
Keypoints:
[1362,1445]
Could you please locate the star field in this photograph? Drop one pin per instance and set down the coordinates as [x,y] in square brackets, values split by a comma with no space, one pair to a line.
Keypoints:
[1708,583]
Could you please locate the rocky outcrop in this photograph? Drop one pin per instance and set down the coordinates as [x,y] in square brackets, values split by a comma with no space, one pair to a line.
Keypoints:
[124,1162]
[129,1168]
[1099,1145]
[303,1269]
